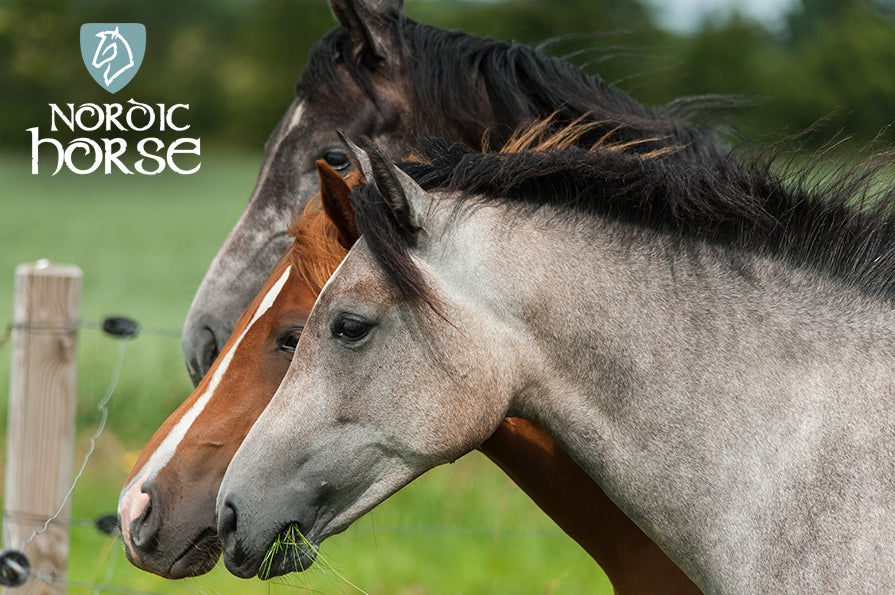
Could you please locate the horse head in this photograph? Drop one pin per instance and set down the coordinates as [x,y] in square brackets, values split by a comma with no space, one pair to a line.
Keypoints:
[107,53]
[357,417]
[354,82]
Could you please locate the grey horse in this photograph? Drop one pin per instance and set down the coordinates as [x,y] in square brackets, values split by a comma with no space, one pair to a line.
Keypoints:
[713,346]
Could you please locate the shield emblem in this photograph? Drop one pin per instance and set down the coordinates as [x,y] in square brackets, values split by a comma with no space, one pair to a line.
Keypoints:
[113,52]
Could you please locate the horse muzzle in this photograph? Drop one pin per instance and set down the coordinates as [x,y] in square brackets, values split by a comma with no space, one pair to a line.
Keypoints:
[187,545]
[262,546]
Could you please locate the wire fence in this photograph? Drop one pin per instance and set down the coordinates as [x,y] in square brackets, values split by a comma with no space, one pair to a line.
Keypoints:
[15,568]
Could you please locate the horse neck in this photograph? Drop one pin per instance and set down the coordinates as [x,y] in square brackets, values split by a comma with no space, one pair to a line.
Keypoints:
[647,313]
[677,372]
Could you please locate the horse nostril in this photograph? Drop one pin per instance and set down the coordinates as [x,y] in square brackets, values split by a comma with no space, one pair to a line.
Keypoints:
[144,528]
[209,350]
[236,557]
[201,348]
[227,521]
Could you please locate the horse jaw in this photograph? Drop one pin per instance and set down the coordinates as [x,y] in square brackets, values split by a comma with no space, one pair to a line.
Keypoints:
[321,498]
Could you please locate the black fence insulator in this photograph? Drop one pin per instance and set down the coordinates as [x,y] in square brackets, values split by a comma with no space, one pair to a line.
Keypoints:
[121,326]
[107,524]
[14,568]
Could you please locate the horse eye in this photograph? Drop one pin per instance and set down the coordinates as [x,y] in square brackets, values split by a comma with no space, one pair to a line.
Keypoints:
[288,341]
[336,159]
[351,329]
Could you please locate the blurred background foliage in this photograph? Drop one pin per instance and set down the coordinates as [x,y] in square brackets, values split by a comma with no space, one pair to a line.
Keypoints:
[236,61]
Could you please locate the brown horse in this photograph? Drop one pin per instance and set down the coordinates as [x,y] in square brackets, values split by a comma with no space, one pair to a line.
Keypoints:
[167,505]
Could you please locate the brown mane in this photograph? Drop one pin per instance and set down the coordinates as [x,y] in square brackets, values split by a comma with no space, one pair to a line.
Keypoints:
[316,251]
[547,135]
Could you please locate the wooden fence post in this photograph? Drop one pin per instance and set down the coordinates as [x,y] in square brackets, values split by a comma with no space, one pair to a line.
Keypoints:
[40,437]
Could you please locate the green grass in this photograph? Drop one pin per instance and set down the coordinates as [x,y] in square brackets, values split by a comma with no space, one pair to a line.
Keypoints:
[144,244]
[290,543]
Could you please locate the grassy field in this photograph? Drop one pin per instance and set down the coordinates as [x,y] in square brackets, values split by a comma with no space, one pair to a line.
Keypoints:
[144,244]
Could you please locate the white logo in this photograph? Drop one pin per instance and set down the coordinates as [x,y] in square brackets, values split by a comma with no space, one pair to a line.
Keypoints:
[107,54]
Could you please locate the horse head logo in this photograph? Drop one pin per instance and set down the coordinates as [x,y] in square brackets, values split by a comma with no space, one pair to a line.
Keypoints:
[107,54]
[113,52]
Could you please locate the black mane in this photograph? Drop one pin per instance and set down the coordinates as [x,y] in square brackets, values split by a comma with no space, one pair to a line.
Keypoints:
[523,85]
[672,177]
[841,225]
[467,87]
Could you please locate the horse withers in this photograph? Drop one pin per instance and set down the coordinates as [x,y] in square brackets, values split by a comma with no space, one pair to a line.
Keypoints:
[712,345]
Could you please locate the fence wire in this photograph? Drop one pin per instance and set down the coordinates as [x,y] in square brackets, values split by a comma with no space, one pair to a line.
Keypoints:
[104,413]
[15,570]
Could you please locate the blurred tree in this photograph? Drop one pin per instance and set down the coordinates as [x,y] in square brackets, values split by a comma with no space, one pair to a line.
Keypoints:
[266,57]
[840,54]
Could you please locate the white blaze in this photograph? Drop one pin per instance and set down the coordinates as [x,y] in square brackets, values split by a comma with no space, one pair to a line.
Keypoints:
[133,501]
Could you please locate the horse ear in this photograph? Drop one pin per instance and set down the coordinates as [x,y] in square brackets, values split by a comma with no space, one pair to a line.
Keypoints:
[370,23]
[357,155]
[334,192]
[402,194]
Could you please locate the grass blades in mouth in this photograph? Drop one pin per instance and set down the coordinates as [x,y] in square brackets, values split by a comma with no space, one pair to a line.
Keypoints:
[289,545]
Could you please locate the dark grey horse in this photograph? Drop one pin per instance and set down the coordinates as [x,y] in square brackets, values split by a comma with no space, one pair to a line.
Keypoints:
[384,76]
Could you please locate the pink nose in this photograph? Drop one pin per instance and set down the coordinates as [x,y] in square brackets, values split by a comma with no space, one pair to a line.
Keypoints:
[134,505]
